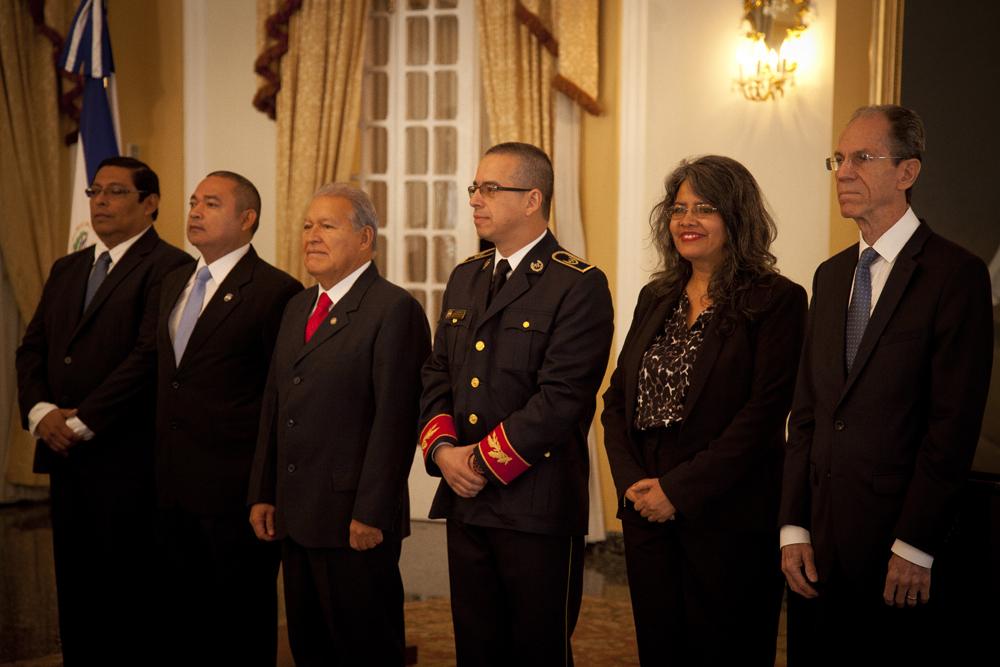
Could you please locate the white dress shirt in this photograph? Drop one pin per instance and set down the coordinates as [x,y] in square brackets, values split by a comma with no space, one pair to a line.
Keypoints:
[888,246]
[339,289]
[40,409]
[218,269]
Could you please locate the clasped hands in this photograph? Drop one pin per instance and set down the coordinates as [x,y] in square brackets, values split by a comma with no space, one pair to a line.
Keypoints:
[54,432]
[650,501]
[455,464]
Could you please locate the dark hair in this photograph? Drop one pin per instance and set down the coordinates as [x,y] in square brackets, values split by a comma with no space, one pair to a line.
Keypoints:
[144,179]
[534,169]
[750,231]
[247,196]
[906,132]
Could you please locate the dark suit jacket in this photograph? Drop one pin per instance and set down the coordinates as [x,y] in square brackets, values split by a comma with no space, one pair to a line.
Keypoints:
[339,421]
[725,469]
[208,408]
[92,361]
[881,453]
[538,353]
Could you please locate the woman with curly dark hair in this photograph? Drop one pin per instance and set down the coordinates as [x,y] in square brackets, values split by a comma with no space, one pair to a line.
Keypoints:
[694,423]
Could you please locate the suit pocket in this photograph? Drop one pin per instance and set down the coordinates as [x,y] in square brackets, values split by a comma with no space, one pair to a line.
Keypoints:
[454,326]
[524,335]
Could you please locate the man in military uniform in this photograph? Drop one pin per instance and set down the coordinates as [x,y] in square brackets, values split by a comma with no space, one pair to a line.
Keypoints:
[508,398]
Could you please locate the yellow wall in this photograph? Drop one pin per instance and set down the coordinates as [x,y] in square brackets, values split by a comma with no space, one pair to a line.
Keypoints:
[146,38]
[599,195]
[850,91]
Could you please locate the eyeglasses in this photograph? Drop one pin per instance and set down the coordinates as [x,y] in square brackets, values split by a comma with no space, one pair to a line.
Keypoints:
[858,159]
[678,211]
[113,191]
[489,188]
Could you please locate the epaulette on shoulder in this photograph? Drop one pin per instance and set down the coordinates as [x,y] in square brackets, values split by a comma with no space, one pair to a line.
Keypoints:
[572,261]
[478,255]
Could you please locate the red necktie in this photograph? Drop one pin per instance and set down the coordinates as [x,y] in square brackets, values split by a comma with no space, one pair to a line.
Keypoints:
[316,319]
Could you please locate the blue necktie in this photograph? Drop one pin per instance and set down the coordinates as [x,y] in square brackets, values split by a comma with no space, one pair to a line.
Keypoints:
[861,305]
[192,309]
[97,276]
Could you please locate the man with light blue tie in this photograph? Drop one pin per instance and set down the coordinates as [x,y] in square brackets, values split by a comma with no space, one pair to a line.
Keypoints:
[886,416]
[217,325]
[85,392]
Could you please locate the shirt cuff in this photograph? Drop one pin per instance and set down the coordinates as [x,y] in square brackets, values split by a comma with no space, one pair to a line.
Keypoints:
[37,413]
[435,447]
[793,535]
[81,429]
[912,554]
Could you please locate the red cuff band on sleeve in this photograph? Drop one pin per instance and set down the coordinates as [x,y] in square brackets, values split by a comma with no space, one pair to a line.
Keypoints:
[441,426]
[501,457]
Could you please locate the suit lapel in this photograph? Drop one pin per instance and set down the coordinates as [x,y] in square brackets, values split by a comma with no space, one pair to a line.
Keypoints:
[711,344]
[650,327]
[129,261]
[521,280]
[836,313]
[225,300]
[173,287]
[77,282]
[895,286]
[339,316]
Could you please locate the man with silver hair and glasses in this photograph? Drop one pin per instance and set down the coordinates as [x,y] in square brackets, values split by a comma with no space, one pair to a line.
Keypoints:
[886,416]
[338,426]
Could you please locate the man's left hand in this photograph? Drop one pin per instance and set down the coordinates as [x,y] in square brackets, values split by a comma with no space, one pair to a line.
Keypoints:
[650,501]
[364,537]
[906,584]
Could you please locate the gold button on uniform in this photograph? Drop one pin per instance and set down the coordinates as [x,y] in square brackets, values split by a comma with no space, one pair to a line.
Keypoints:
[526,324]
[474,382]
[548,454]
[473,418]
[480,345]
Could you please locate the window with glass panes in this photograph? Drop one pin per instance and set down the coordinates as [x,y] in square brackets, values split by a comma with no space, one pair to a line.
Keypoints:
[420,118]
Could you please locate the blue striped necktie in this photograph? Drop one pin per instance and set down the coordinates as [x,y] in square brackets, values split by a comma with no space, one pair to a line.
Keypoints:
[861,305]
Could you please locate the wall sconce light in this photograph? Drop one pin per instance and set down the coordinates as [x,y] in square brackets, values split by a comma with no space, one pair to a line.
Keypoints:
[770,49]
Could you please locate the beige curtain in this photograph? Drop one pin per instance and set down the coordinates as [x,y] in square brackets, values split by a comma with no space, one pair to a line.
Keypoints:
[34,193]
[317,110]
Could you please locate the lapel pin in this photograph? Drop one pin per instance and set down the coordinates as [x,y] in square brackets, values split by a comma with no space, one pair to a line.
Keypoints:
[537,266]
[486,264]
[333,320]
[228,297]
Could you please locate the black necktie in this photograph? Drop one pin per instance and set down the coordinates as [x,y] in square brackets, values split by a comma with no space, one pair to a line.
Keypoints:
[97,276]
[499,279]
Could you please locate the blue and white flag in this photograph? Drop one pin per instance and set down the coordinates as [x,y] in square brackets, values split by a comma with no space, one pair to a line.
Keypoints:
[88,53]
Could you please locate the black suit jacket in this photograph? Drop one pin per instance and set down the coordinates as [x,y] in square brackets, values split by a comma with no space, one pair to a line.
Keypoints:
[725,468]
[93,360]
[880,453]
[339,421]
[519,376]
[208,407]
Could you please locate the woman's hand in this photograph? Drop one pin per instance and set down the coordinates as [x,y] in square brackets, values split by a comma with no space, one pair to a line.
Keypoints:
[650,501]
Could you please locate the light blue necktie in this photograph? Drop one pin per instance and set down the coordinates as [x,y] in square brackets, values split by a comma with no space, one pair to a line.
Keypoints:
[97,276]
[192,309]
[861,305]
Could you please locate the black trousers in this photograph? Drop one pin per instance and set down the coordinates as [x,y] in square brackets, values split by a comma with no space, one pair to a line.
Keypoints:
[701,594]
[219,594]
[515,597]
[344,607]
[102,535]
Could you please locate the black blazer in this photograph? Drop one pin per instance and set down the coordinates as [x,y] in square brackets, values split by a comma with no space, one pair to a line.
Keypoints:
[208,408]
[881,453]
[338,426]
[93,360]
[725,468]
